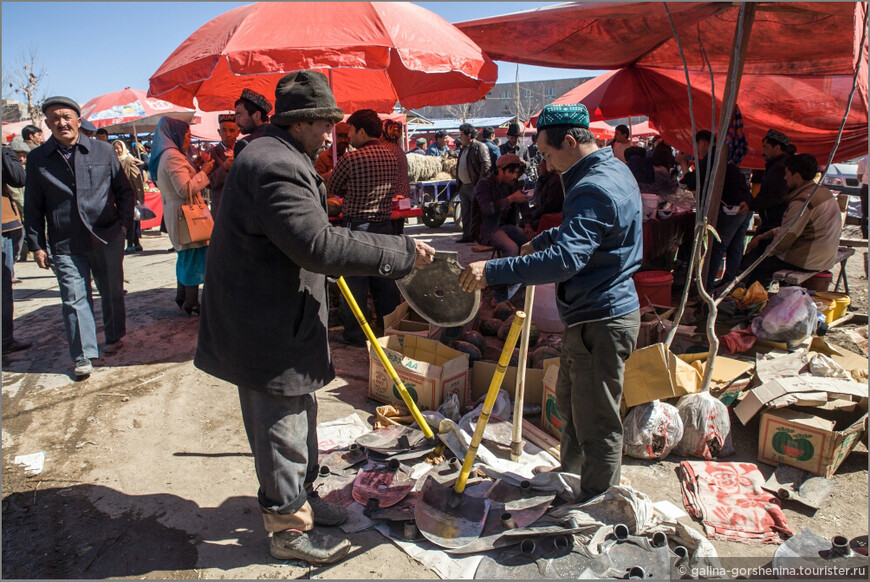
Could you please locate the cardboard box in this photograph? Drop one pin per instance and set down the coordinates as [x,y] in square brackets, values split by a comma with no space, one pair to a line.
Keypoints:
[551,422]
[405,321]
[482,373]
[429,370]
[796,390]
[815,440]
[655,373]
[652,329]
[725,370]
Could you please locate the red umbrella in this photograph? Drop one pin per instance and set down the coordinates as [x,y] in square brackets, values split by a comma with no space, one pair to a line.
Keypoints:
[375,54]
[131,110]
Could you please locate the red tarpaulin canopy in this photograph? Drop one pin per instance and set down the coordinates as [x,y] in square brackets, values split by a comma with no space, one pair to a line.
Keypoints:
[798,72]
[376,53]
[808,109]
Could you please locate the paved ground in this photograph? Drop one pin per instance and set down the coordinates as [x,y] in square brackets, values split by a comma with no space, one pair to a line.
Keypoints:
[148,472]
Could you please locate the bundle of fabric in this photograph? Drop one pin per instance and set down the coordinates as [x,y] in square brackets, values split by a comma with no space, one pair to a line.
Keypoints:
[729,501]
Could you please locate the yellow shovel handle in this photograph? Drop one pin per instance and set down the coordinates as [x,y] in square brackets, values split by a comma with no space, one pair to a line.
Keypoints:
[409,402]
[491,394]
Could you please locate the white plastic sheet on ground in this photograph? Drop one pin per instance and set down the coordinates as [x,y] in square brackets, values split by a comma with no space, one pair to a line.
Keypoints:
[449,567]
[339,433]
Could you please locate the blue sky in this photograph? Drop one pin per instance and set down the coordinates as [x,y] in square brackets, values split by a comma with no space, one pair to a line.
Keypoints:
[91,48]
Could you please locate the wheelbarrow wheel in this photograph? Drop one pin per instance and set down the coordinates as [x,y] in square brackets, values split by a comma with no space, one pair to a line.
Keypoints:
[433,220]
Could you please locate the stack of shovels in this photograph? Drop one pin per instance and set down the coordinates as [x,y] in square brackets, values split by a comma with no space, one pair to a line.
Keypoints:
[465,514]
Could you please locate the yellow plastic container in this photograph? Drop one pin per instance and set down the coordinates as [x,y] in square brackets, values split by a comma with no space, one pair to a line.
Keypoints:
[842,302]
[826,306]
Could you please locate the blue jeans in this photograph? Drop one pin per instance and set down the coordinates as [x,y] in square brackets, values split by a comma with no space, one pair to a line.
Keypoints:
[105,263]
[385,294]
[7,291]
[508,239]
[732,231]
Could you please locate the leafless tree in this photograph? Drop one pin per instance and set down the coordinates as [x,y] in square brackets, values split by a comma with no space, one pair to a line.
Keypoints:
[528,102]
[464,111]
[24,79]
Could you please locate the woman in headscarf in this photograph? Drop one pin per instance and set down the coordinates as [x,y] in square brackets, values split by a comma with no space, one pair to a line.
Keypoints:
[390,138]
[178,180]
[137,181]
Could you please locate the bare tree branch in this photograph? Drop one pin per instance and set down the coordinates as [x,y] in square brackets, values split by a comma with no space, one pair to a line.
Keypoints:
[24,79]
[464,111]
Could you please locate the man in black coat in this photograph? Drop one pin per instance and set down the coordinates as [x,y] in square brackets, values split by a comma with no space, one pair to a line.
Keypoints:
[76,184]
[264,309]
[513,145]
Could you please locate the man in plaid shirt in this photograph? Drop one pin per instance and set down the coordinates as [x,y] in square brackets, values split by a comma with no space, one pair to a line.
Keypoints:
[366,179]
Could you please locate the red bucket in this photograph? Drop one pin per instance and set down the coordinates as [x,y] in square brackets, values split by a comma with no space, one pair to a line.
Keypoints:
[819,282]
[654,287]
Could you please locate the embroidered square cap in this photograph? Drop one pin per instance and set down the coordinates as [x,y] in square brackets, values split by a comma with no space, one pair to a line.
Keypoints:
[575,115]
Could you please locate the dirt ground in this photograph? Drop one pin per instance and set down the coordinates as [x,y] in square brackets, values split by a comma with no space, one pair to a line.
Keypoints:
[148,473]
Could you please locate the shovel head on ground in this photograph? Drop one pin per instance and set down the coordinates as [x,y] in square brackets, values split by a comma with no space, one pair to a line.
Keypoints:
[435,294]
[449,519]
[391,439]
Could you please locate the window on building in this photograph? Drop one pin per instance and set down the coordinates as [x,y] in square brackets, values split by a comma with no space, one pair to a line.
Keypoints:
[527,94]
[550,92]
[505,94]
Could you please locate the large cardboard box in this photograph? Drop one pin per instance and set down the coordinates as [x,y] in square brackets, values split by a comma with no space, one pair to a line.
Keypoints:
[405,321]
[813,439]
[655,373]
[482,373]
[550,419]
[429,370]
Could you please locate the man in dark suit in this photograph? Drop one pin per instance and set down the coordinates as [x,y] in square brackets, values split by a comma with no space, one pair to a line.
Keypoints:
[264,310]
[513,145]
[222,154]
[77,185]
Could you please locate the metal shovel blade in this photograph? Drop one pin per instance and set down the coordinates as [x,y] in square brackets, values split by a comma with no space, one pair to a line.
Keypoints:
[435,294]
[449,519]
[387,486]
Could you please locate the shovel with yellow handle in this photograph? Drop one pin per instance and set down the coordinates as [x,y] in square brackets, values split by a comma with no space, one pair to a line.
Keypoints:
[444,515]
[370,335]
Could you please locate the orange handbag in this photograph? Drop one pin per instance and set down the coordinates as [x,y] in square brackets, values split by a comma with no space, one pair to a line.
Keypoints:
[194,221]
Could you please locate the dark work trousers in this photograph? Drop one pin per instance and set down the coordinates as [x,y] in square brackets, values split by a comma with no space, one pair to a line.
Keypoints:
[588,395]
[466,207]
[282,432]
[6,291]
[384,291]
[732,230]
[763,273]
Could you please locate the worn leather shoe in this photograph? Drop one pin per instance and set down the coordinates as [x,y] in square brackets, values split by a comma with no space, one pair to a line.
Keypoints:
[311,546]
[326,513]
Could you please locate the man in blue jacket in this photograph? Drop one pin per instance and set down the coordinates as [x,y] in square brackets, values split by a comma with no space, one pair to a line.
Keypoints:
[592,257]
[76,184]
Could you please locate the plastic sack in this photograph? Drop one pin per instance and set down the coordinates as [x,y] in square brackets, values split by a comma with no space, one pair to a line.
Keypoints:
[790,316]
[706,427]
[651,430]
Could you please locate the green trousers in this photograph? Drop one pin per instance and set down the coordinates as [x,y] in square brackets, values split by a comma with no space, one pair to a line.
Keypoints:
[588,394]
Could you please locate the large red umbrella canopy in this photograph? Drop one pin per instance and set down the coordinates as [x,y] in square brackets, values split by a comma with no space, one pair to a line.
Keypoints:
[120,111]
[375,54]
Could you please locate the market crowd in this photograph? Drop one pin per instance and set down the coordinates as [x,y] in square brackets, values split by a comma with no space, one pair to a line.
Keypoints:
[562,209]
